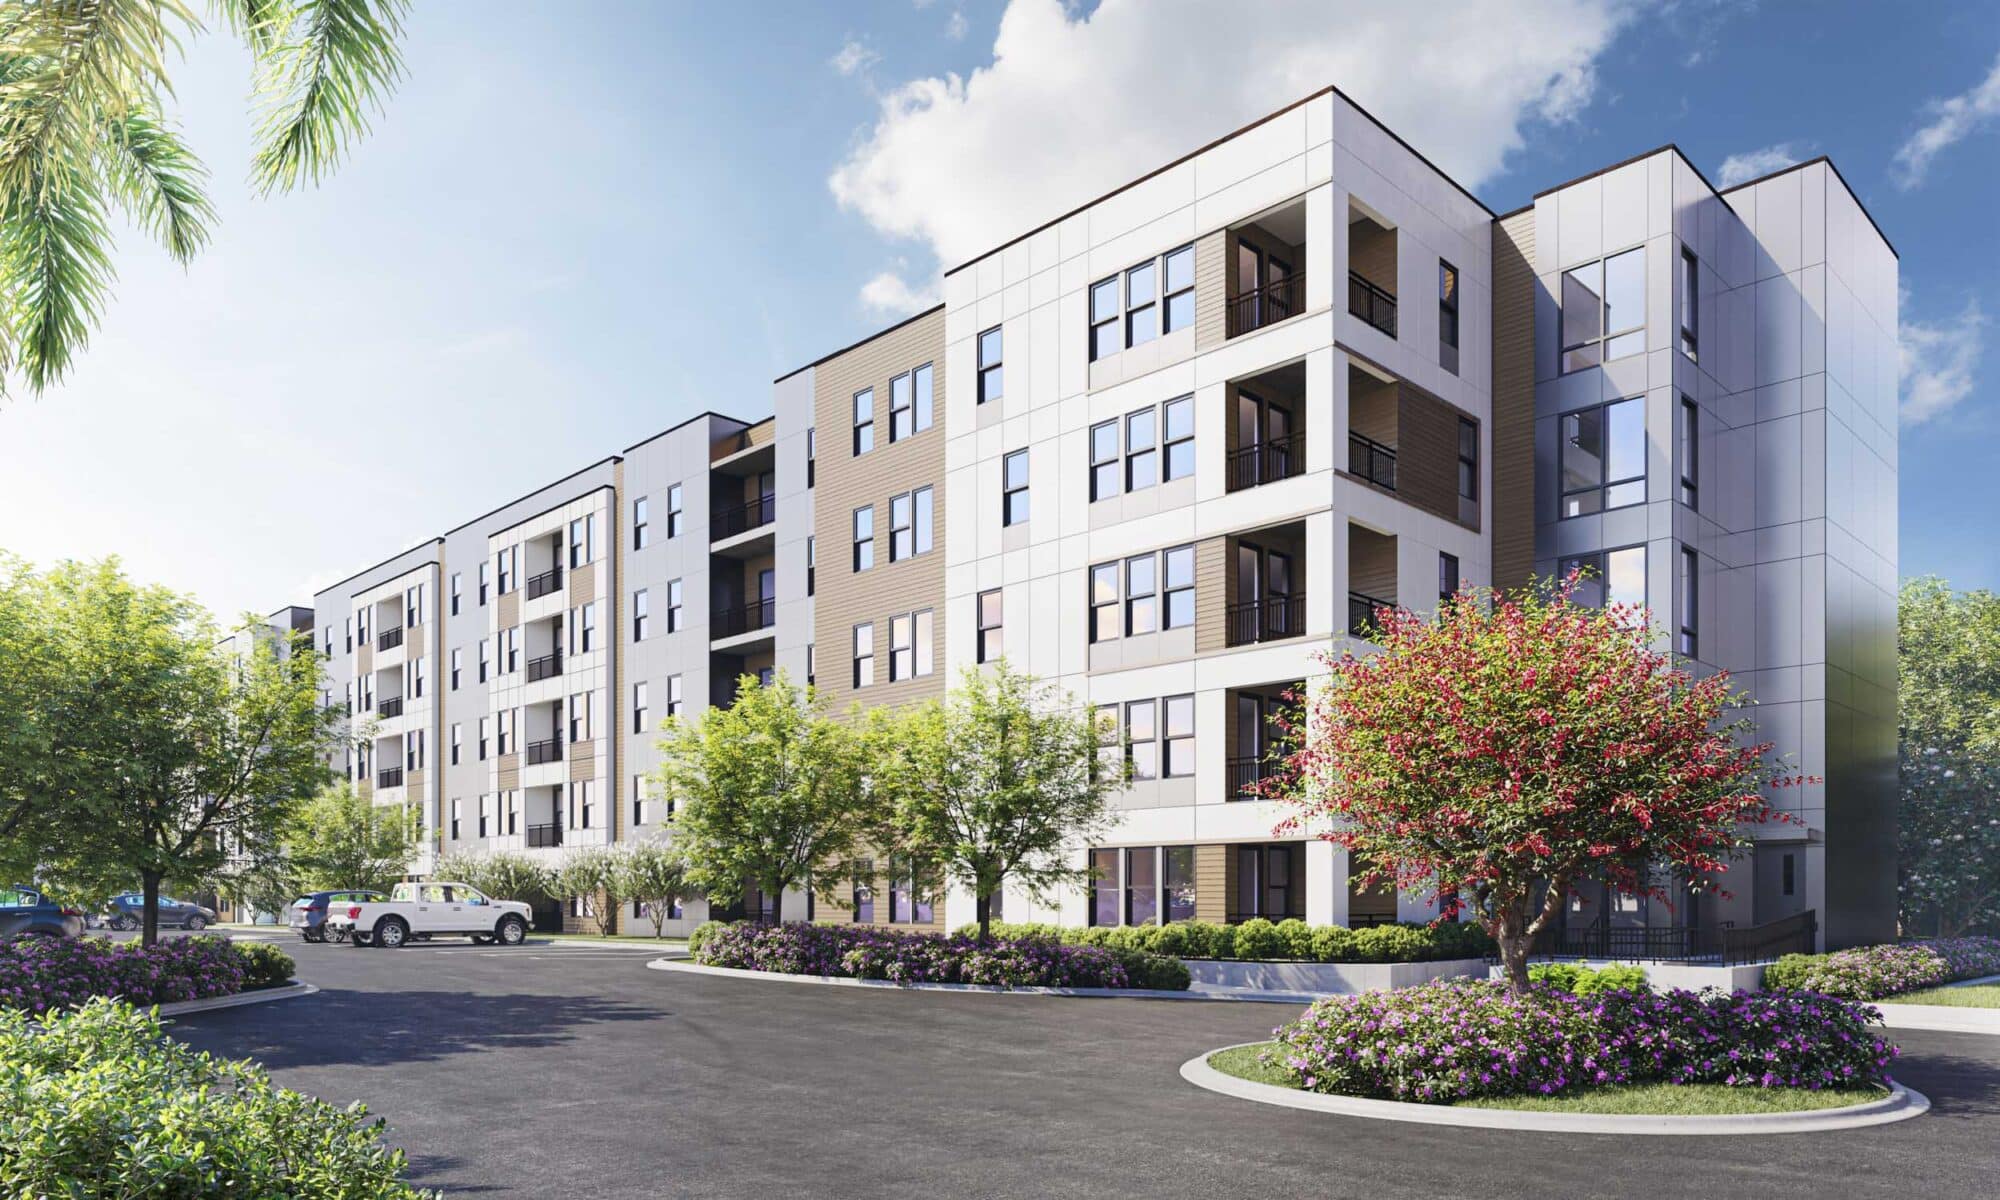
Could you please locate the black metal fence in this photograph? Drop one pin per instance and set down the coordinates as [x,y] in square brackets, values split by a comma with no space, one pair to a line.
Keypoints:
[1274,302]
[1725,944]
[732,521]
[1371,460]
[1266,620]
[392,707]
[732,621]
[548,666]
[541,585]
[390,639]
[1266,462]
[1361,611]
[544,835]
[546,751]
[1371,304]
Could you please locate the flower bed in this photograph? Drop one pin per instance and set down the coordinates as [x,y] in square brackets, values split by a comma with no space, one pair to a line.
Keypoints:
[1873,972]
[1258,940]
[865,952]
[41,974]
[1459,1040]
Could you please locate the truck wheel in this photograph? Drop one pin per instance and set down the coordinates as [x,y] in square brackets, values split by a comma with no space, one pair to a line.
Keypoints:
[391,933]
[510,931]
[357,938]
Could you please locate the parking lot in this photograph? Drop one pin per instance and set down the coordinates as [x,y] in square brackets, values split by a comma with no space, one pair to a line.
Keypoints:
[571,1070]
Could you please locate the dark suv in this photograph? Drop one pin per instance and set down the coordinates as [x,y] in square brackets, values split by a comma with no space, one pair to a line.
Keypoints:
[308,914]
[128,911]
[25,912]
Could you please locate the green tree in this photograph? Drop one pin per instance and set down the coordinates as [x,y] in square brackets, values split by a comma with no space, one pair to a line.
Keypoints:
[588,875]
[501,874]
[341,840]
[1504,754]
[180,753]
[653,874]
[769,788]
[83,131]
[37,698]
[1000,780]
[1948,821]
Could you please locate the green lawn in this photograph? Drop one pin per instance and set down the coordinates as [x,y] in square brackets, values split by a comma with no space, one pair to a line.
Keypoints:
[1659,1099]
[1983,995]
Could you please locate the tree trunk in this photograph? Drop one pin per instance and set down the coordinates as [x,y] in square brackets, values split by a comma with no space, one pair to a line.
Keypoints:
[1514,959]
[149,910]
[984,907]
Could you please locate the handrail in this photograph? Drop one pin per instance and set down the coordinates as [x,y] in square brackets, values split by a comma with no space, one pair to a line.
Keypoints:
[548,581]
[389,639]
[1278,300]
[1371,303]
[761,614]
[1267,461]
[1245,772]
[1371,460]
[547,750]
[545,667]
[1361,609]
[544,835]
[1265,620]
[392,777]
[392,707]
[754,515]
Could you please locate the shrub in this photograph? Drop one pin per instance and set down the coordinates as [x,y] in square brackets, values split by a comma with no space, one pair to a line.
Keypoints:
[702,933]
[264,965]
[1579,980]
[1463,1038]
[1393,943]
[40,974]
[100,1102]
[1258,939]
[1157,972]
[1872,972]
[1296,937]
[867,952]
[1558,975]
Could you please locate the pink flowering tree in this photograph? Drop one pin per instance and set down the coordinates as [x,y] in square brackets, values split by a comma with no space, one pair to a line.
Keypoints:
[1516,747]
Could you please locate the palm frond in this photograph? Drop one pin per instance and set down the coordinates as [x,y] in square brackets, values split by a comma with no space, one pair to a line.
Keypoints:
[333,63]
[158,180]
[259,23]
[54,267]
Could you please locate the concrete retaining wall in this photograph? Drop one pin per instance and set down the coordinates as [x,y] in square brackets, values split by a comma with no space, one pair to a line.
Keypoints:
[1691,977]
[1327,978]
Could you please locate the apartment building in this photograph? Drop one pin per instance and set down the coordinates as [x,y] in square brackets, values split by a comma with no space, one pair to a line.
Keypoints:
[1167,449]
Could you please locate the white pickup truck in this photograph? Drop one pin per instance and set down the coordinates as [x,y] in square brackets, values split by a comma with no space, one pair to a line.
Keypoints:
[427,910]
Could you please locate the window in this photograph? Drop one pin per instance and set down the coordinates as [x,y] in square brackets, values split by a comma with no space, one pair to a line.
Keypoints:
[484,574]
[1179,448]
[1142,613]
[1270,881]
[456,805]
[1142,739]
[419,674]
[925,510]
[1110,741]
[457,661]
[485,732]
[864,537]
[1690,440]
[457,741]
[1604,310]
[1142,316]
[347,626]
[579,716]
[1468,460]
[812,562]
[902,648]
[639,707]
[640,529]
[1104,314]
[1604,457]
[1690,602]
[673,696]
[504,564]
[991,613]
[1178,739]
[864,892]
[1014,488]
[926,401]
[640,615]
[1690,304]
[1104,623]
[638,818]
[812,662]
[864,421]
[457,582]
[482,815]
[1156,297]
[414,751]
[484,659]
[902,418]
[1141,458]
[926,659]
[1104,473]
[1611,577]
[586,629]
[812,456]
[1448,315]
[907,904]
[902,538]
[864,655]
[1142,885]
[1447,577]
[582,805]
[506,731]
[1179,310]
[413,605]
[1179,572]
[673,606]
[583,540]
[674,511]
[1104,887]
[991,374]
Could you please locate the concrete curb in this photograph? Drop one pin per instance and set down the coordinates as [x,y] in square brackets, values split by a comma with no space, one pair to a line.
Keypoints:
[290,991]
[1942,1018]
[1241,997]
[1899,1105]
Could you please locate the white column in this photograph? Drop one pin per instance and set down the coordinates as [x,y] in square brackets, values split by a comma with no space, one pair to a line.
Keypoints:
[1326,883]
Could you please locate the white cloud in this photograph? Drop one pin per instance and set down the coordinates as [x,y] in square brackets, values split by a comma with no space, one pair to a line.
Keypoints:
[854,57]
[955,27]
[1952,120]
[1073,105]
[1752,163]
[891,295]
[1939,361]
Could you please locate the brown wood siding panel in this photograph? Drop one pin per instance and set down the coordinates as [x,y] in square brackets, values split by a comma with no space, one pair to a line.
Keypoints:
[1372,409]
[1427,452]
[364,662]
[507,611]
[413,784]
[582,759]
[1211,883]
[844,483]
[583,583]
[1371,563]
[508,773]
[1371,254]
[1211,290]
[762,433]
[1512,469]
[1211,593]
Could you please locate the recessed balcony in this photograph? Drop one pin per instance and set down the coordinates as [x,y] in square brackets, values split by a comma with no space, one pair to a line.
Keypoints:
[546,582]
[548,666]
[389,639]
[392,707]
[392,777]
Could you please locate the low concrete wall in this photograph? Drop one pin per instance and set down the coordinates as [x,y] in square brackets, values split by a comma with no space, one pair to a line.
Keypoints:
[1691,977]
[1327,978]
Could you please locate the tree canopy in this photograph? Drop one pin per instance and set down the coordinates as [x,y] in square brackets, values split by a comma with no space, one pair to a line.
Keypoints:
[1948,822]
[341,839]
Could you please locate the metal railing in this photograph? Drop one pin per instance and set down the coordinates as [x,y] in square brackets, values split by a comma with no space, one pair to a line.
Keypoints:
[547,750]
[393,777]
[1265,620]
[1371,460]
[732,621]
[1796,934]
[389,639]
[1237,918]
[732,521]
[1245,772]
[1725,943]
[546,667]
[1361,612]
[1371,304]
[544,835]
[1266,462]
[1276,301]
[548,581]
[1357,920]
[392,707]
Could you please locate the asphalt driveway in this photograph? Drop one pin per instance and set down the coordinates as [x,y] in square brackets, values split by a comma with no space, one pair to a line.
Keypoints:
[559,1070]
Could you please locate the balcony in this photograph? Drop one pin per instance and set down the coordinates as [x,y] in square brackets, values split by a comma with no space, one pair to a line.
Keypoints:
[393,777]
[1361,610]
[1371,460]
[548,666]
[1371,303]
[390,639]
[544,835]
[546,751]
[1247,773]
[1278,300]
[392,707]
[1268,620]
[732,621]
[548,581]
[1266,462]
[729,522]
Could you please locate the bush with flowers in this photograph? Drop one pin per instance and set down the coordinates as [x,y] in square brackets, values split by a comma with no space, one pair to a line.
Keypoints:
[43,974]
[1461,1039]
[1873,972]
[869,952]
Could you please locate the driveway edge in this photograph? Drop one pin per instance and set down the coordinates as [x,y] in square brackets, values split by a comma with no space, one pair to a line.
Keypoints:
[1899,1105]
[1943,1018]
[1241,997]
[290,991]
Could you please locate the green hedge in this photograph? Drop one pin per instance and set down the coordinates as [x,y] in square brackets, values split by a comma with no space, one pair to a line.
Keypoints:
[1589,981]
[264,965]
[1258,940]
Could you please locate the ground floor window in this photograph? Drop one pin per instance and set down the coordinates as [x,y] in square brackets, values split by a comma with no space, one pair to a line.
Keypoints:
[1270,882]
[1141,885]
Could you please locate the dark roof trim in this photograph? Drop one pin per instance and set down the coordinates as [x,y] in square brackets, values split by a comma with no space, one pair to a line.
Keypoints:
[683,425]
[437,562]
[1851,194]
[602,487]
[1329,90]
[607,459]
[378,566]
[1621,163]
[827,358]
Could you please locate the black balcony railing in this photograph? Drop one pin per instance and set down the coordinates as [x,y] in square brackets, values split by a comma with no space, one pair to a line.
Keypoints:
[1371,460]
[392,707]
[1266,620]
[393,777]
[1268,305]
[548,581]
[390,639]
[1361,613]
[732,521]
[1246,773]
[1371,304]
[1266,462]
[544,835]
[1796,934]
[546,751]
[548,666]
[732,621]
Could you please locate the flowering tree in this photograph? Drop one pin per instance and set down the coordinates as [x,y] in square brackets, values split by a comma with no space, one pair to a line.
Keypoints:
[1515,748]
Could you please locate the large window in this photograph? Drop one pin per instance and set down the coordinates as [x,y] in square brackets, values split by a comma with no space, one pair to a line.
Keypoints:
[1014,488]
[864,421]
[1157,590]
[864,537]
[1104,474]
[1604,457]
[902,417]
[1447,576]
[641,530]
[1142,435]
[1105,887]
[673,606]
[991,626]
[902,538]
[864,655]
[1142,302]
[1690,642]
[1104,622]
[1604,310]
[1690,307]
[992,376]
[1142,595]
[1142,739]
[674,511]
[639,706]
[1610,577]
[1270,882]
[1179,420]
[1142,885]
[1690,442]
[1145,459]
[641,614]
[910,647]
[1177,737]
[583,540]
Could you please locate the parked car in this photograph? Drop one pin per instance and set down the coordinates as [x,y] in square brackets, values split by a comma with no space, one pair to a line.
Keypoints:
[308,912]
[128,911]
[427,910]
[25,912]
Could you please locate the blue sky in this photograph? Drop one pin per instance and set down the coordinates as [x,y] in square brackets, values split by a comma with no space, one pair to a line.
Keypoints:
[566,234]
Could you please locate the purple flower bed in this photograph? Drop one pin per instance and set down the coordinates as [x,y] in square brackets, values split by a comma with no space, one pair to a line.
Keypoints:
[1873,972]
[1461,1039]
[864,952]
[42,974]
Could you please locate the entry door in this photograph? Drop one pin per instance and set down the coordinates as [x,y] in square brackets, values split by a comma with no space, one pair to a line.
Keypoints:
[1278,580]
[1277,298]
[1249,279]
[1277,451]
